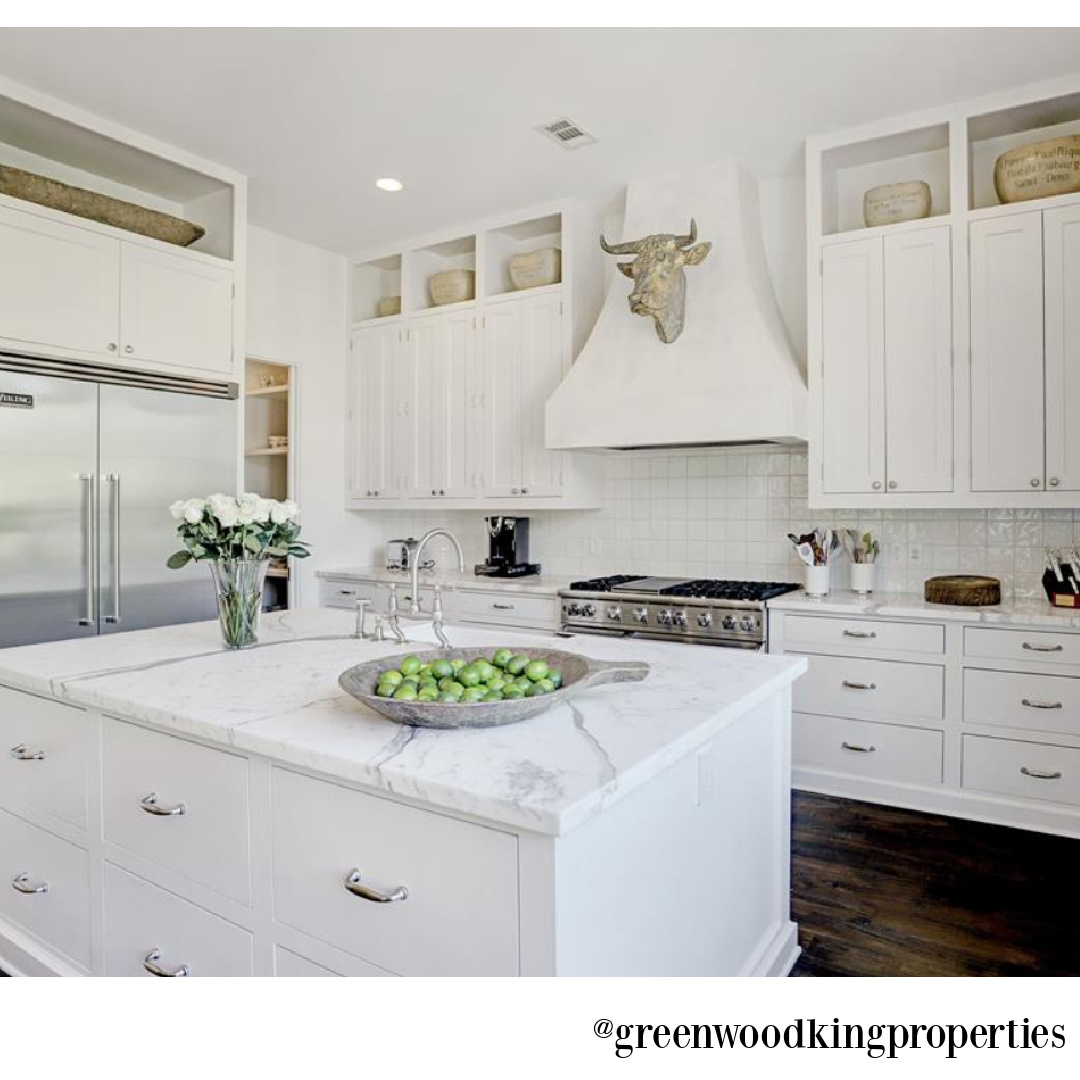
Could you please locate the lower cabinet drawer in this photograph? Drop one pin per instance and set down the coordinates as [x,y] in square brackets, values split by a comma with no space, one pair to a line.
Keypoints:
[340,592]
[44,755]
[508,609]
[1027,770]
[1033,646]
[450,887]
[288,964]
[863,748]
[149,931]
[1021,700]
[45,887]
[178,804]
[882,635]
[852,686]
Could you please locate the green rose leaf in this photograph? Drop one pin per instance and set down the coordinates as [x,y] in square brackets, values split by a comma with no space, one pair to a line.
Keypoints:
[178,559]
[253,543]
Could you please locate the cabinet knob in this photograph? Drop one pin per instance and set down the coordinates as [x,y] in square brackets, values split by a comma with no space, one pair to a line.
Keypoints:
[514,491]
[129,348]
[1036,482]
[441,492]
[892,485]
[524,491]
[876,485]
[111,346]
[434,492]
[1054,481]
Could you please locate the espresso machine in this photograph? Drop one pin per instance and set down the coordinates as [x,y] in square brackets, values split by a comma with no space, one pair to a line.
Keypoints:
[508,548]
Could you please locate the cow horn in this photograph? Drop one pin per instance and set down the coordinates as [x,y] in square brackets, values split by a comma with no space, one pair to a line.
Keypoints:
[686,241]
[630,248]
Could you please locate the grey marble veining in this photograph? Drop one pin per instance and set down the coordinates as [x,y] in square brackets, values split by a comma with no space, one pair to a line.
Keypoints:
[533,585]
[281,700]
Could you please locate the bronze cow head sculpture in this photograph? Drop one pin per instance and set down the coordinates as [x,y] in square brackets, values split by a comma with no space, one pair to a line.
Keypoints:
[659,282]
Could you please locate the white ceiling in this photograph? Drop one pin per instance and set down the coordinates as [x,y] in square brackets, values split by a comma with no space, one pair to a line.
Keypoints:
[314,116]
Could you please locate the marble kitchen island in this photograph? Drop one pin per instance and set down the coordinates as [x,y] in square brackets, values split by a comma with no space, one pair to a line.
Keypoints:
[192,810]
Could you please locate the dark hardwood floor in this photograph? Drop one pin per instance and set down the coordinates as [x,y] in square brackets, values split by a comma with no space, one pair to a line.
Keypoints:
[883,891]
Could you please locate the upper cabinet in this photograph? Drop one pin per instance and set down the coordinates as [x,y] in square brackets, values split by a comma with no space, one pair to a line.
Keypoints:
[74,289]
[944,340]
[450,381]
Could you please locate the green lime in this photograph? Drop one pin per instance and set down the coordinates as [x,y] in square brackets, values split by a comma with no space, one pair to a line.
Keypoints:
[513,691]
[547,685]
[486,670]
[536,689]
[494,695]
[457,664]
[474,693]
[425,670]
[449,697]
[445,681]
[517,664]
[469,675]
[385,689]
[406,692]
[456,689]
[501,657]
[392,677]
[410,665]
[556,677]
[496,682]
[427,693]
[522,683]
[441,668]
[536,670]
[413,679]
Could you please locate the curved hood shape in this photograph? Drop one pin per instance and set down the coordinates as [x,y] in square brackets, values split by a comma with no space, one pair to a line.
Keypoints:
[731,377]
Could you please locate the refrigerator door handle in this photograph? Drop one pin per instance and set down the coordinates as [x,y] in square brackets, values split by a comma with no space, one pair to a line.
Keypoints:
[90,528]
[113,479]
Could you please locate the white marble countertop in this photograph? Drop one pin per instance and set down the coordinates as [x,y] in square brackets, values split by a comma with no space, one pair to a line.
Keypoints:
[281,700]
[912,605]
[537,584]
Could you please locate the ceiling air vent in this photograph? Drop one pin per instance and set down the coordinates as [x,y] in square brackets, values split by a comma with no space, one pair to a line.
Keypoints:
[567,134]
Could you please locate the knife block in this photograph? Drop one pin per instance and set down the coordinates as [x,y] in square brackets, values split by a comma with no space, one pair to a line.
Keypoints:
[1060,593]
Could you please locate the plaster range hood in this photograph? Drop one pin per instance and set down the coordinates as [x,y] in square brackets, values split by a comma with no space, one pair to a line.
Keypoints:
[731,377]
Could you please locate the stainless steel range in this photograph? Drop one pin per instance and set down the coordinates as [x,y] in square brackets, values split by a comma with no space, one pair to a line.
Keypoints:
[697,610]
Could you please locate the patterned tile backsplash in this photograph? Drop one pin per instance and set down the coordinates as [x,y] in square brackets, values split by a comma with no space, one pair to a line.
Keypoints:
[726,513]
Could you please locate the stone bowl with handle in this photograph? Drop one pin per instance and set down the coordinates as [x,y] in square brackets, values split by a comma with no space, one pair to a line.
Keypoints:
[579,673]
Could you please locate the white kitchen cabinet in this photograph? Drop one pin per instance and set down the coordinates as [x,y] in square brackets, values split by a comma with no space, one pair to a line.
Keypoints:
[59,285]
[1007,384]
[175,309]
[887,364]
[853,368]
[523,363]
[373,355]
[1061,239]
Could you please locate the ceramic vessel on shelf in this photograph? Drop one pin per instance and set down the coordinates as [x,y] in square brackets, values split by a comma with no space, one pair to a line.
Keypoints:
[452,286]
[1039,170]
[532,269]
[888,204]
[387,306]
[817,581]
[277,442]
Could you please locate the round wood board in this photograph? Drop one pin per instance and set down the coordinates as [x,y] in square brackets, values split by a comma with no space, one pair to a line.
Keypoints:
[963,590]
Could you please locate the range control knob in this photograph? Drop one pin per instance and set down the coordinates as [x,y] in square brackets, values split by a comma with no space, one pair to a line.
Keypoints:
[663,618]
[679,618]
[748,622]
[730,623]
[641,614]
[704,619]
[614,614]
[573,609]
[589,610]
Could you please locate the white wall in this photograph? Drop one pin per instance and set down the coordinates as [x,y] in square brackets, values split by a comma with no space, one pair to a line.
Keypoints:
[296,314]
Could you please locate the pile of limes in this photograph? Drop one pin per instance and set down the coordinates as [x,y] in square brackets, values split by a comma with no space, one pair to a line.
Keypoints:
[503,677]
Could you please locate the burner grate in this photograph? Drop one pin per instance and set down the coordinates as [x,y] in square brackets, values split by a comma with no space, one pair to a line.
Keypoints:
[708,589]
[605,584]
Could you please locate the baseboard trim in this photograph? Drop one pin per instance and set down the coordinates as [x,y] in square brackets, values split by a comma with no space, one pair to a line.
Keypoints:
[776,956]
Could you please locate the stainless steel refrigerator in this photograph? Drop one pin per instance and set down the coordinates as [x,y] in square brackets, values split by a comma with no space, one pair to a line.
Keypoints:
[90,460]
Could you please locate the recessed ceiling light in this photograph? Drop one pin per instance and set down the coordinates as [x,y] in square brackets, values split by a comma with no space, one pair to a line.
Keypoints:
[389,183]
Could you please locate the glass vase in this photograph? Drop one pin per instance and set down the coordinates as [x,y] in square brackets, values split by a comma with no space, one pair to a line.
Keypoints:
[239,585]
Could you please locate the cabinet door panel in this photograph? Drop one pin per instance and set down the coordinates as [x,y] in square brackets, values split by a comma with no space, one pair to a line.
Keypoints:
[853,358]
[1007,354]
[503,356]
[1061,238]
[918,361]
[455,465]
[423,359]
[372,354]
[175,309]
[540,373]
[401,420]
[59,284]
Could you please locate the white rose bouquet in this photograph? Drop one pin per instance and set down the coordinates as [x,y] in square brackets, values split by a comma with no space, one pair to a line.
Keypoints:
[246,527]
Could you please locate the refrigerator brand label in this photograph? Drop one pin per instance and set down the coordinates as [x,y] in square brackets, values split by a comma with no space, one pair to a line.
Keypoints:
[16,401]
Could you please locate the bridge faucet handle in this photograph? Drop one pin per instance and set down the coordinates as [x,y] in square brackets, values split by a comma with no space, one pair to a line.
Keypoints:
[436,603]
[392,602]
[362,604]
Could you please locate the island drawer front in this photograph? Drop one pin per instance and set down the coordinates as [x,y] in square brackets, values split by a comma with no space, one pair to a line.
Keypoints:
[209,840]
[44,756]
[460,915]
[45,887]
[814,631]
[146,926]
[854,686]
[1018,699]
[1032,646]
[508,609]
[288,964]
[865,748]
[1025,769]
[340,592]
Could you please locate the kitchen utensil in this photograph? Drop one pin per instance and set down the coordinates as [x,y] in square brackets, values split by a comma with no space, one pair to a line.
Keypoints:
[579,673]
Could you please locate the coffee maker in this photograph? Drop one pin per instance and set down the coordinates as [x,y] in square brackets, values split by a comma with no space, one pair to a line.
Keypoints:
[508,548]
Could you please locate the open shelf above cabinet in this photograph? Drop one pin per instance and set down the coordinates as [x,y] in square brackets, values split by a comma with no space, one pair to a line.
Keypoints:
[425,262]
[375,281]
[519,238]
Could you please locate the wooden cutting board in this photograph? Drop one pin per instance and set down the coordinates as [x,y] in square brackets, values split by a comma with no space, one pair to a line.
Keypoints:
[963,590]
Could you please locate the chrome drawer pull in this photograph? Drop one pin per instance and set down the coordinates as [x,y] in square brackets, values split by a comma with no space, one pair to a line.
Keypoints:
[1041,704]
[857,748]
[1038,774]
[1043,648]
[150,963]
[21,883]
[859,685]
[152,806]
[860,633]
[355,885]
[503,607]
[20,753]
